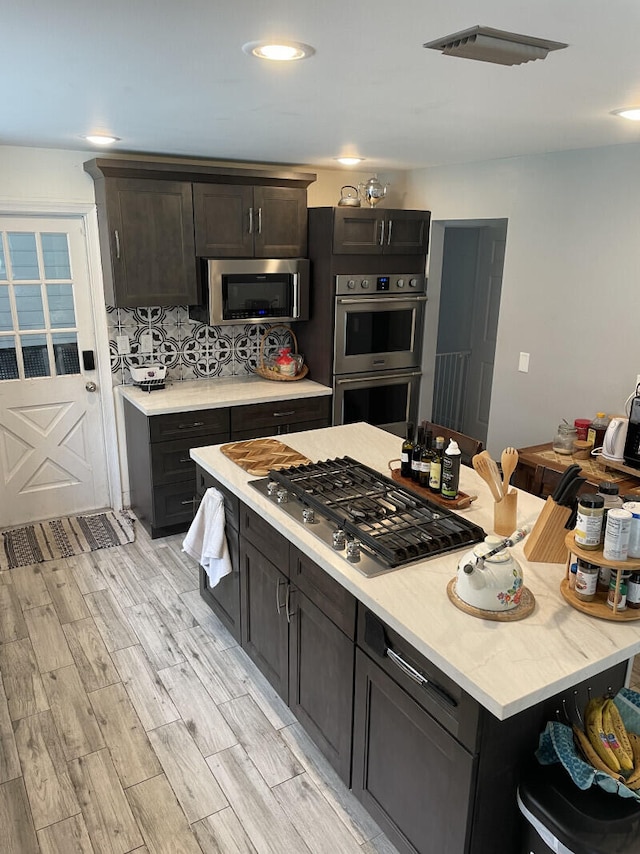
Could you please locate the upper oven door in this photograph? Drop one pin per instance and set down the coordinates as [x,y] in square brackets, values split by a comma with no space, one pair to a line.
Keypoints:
[378,333]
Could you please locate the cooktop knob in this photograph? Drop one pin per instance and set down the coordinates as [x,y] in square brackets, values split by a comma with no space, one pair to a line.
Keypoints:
[308,516]
[351,284]
[353,551]
[283,496]
[272,487]
[364,284]
[338,540]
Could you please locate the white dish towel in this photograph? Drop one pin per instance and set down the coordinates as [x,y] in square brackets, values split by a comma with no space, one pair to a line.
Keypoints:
[205,541]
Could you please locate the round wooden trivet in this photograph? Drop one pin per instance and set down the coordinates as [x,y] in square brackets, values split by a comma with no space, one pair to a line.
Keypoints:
[523,609]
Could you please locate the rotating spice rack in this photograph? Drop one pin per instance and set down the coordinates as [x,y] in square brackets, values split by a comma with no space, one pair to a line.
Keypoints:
[598,607]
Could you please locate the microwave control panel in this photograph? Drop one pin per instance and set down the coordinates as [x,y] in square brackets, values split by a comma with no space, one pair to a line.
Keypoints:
[369,285]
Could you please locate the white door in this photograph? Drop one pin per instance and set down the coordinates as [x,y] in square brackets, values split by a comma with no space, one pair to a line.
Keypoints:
[52,447]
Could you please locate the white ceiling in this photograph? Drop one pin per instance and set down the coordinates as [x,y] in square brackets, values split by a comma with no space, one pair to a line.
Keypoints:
[169,77]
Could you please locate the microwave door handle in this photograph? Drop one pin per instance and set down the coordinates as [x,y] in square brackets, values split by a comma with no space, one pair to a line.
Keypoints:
[377,377]
[379,300]
[296,287]
[259,220]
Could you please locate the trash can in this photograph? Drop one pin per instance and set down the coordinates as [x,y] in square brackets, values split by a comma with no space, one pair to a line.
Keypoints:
[563,819]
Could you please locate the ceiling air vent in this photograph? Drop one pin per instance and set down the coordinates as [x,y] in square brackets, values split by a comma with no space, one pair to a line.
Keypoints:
[488,45]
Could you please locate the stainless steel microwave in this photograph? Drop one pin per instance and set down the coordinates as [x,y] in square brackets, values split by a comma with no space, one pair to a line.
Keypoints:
[256,290]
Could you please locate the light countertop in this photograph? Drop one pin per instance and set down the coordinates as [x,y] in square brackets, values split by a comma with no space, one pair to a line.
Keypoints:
[506,666]
[190,396]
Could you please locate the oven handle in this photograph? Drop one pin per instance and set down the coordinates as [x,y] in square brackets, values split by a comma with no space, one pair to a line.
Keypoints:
[367,300]
[351,380]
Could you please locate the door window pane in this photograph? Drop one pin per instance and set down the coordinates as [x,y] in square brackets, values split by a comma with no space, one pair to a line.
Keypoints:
[6,323]
[23,255]
[65,353]
[61,311]
[55,254]
[3,266]
[8,361]
[35,356]
[29,306]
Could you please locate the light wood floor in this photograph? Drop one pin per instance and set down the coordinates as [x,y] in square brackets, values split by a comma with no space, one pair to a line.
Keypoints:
[130,720]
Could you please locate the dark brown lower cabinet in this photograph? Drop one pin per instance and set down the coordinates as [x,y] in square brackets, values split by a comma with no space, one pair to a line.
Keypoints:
[412,776]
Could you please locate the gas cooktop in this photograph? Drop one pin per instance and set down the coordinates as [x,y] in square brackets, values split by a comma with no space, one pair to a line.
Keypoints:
[377,524]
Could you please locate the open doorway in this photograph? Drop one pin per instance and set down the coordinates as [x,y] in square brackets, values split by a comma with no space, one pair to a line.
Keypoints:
[468,262]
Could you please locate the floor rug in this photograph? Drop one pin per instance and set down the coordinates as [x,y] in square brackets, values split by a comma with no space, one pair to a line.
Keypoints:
[66,537]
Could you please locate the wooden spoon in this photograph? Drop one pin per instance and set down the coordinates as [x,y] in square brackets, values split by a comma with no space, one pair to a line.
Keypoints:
[508,461]
[483,465]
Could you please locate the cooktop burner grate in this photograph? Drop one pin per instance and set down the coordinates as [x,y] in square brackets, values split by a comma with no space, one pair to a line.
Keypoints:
[392,523]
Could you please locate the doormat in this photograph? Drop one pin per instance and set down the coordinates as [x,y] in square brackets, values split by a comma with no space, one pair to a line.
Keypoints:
[66,537]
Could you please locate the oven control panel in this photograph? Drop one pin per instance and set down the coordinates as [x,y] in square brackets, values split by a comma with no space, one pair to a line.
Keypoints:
[372,285]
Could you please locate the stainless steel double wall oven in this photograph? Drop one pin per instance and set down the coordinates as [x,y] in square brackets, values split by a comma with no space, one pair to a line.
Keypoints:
[366,330]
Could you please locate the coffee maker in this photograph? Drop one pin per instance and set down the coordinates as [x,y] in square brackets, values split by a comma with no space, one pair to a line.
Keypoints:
[632,444]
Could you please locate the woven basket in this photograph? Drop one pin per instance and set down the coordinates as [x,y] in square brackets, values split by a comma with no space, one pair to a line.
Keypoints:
[268,373]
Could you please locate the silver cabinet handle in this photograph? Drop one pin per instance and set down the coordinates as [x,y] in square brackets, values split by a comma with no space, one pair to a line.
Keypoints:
[190,426]
[382,233]
[279,605]
[289,613]
[259,220]
[390,226]
[414,674]
[185,460]
[250,220]
[284,414]
[116,234]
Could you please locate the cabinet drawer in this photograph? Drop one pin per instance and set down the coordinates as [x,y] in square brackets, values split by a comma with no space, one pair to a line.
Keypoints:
[258,415]
[170,461]
[324,591]
[265,538]
[203,422]
[280,430]
[231,502]
[173,504]
[457,712]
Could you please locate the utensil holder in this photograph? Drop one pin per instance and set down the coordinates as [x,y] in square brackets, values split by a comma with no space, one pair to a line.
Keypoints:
[546,542]
[505,514]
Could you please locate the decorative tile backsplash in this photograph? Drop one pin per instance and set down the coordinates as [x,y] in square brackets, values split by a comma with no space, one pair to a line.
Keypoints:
[190,350]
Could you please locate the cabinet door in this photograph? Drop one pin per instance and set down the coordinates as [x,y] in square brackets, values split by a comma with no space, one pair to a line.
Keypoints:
[280,222]
[150,227]
[411,775]
[406,232]
[222,219]
[321,681]
[357,232]
[263,616]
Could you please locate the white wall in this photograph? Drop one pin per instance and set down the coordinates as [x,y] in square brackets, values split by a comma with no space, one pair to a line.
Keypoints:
[571,287]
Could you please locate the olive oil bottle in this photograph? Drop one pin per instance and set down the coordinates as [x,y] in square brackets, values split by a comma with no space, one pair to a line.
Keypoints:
[406,455]
[435,476]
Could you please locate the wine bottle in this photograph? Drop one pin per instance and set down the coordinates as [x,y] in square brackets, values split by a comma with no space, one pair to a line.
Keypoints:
[407,451]
[425,462]
[416,457]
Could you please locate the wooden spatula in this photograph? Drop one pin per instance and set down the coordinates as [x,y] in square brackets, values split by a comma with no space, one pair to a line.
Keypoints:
[508,461]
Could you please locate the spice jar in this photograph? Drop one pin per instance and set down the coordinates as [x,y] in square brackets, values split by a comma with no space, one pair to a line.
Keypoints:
[586,580]
[582,426]
[589,521]
[619,604]
[564,439]
[616,535]
[633,590]
[634,534]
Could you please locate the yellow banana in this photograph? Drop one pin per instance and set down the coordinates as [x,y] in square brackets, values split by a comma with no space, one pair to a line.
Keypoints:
[633,781]
[595,732]
[612,730]
[584,745]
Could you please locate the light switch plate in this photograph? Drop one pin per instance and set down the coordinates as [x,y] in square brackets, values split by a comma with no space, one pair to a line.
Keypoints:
[123,344]
[146,343]
[523,363]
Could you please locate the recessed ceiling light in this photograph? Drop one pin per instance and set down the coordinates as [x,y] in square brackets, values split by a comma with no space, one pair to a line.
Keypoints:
[278,51]
[102,138]
[632,113]
[349,161]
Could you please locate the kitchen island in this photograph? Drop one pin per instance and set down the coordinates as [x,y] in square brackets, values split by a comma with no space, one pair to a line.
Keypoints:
[502,679]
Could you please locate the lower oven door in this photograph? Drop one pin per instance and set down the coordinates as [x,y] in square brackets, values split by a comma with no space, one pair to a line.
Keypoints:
[386,400]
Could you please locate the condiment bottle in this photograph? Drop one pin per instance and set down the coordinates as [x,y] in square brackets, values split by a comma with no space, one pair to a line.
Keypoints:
[621,603]
[597,429]
[616,535]
[609,491]
[582,426]
[634,534]
[450,471]
[589,521]
[633,590]
[407,451]
[435,476]
[586,580]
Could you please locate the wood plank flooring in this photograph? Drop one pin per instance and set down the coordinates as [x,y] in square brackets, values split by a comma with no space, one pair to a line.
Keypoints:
[132,723]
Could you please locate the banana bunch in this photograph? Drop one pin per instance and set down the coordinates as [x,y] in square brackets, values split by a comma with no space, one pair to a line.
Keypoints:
[606,744]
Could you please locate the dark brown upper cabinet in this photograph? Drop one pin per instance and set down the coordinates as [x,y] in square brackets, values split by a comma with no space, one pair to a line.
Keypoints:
[250,222]
[367,231]
[148,238]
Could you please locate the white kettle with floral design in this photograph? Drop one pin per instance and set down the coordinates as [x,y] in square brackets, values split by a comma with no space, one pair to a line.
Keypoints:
[488,579]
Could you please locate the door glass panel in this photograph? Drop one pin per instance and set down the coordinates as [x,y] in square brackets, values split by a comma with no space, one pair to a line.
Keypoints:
[3,265]
[35,356]
[6,322]
[376,404]
[55,255]
[8,360]
[61,311]
[379,332]
[23,255]
[29,306]
[65,353]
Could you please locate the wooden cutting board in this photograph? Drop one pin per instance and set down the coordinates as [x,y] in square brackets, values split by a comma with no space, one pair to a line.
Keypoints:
[260,456]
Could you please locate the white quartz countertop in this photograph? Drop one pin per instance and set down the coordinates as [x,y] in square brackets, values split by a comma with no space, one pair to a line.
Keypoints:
[190,396]
[506,666]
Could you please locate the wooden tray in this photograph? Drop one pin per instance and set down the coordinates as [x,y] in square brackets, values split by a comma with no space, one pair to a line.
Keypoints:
[522,609]
[460,502]
[260,456]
